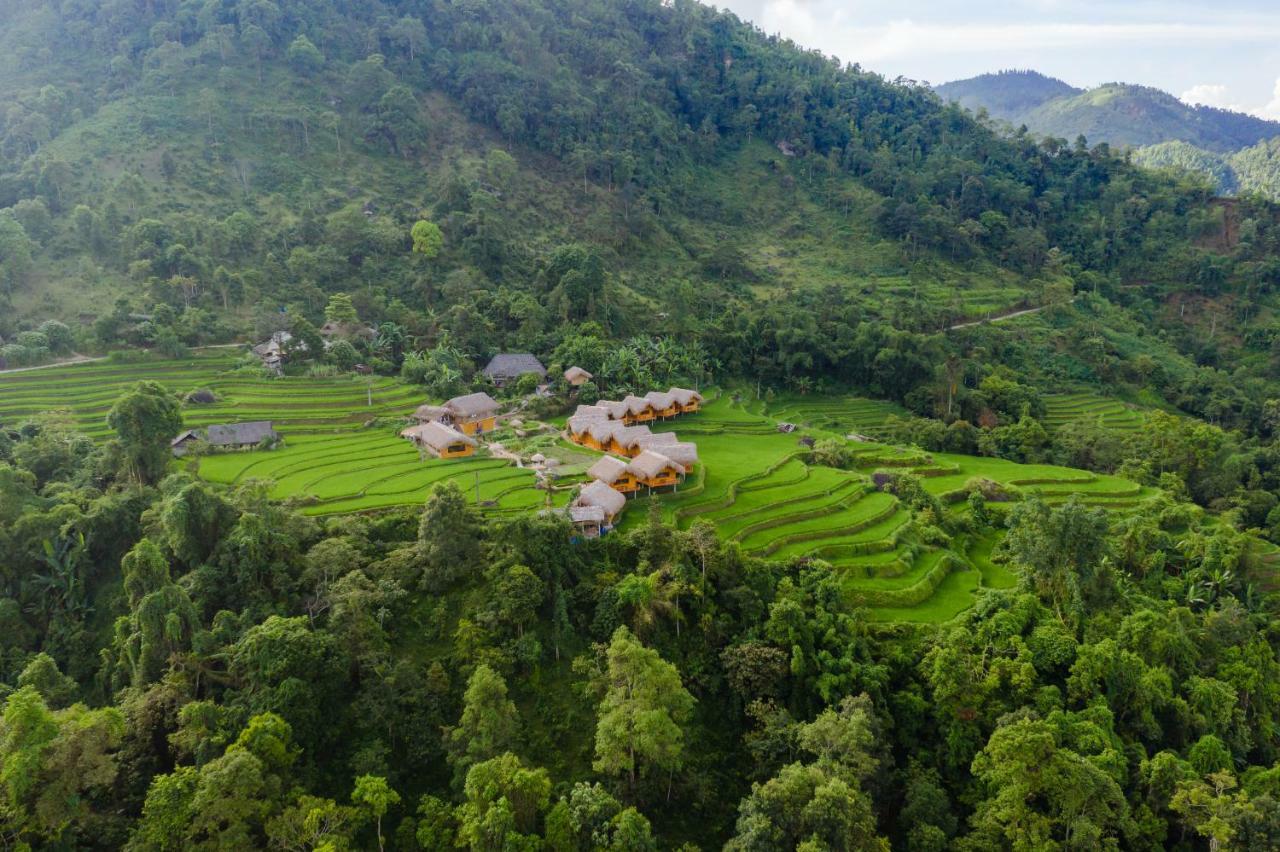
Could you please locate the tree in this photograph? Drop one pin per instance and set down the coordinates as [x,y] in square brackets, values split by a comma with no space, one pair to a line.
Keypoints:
[162,619]
[16,249]
[145,420]
[1059,551]
[1041,794]
[340,310]
[504,800]
[51,761]
[427,239]
[489,723]
[305,57]
[448,537]
[376,796]
[641,713]
[520,592]
[409,32]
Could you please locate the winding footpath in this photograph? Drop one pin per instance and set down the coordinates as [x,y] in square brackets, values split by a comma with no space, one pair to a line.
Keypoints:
[1002,317]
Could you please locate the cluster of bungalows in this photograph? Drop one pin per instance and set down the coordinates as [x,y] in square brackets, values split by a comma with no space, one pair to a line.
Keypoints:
[640,460]
[449,431]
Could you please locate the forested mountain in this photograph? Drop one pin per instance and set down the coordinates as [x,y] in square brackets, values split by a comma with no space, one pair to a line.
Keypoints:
[646,189]
[1255,169]
[1006,95]
[1116,113]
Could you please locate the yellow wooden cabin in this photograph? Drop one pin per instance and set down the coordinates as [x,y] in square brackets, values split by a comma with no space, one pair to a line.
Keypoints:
[615,473]
[440,440]
[687,400]
[654,470]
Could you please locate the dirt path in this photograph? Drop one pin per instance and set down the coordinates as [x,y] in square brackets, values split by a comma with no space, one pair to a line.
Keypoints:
[1000,317]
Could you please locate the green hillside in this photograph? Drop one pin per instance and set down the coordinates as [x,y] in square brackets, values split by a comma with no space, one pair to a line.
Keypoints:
[1119,114]
[977,546]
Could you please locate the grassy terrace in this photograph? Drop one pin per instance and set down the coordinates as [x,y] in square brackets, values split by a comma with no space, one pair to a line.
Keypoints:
[753,482]
[1061,409]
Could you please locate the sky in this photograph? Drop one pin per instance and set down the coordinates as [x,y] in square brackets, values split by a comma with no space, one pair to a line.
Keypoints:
[1224,54]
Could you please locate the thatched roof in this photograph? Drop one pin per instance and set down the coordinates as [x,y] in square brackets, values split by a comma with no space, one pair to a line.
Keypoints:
[473,405]
[617,410]
[660,399]
[510,365]
[438,436]
[631,436]
[430,412]
[684,396]
[239,434]
[657,440]
[586,514]
[604,430]
[590,411]
[683,453]
[636,404]
[599,494]
[650,463]
[579,425]
[607,469]
[576,376]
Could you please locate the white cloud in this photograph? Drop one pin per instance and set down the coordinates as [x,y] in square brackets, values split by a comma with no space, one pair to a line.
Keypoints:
[907,37]
[1271,109]
[1213,95]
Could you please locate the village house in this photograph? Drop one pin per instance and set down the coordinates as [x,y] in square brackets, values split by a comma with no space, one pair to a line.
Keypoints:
[272,351]
[506,367]
[594,433]
[473,414]
[577,377]
[440,440]
[654,470]
[228,436]
[610,502]
[615,473]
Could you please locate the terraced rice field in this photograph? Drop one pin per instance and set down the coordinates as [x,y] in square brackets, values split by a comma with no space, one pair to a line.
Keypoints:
[755,486]
[752,482]
[302,405]
[844,414]
[1105,412]
[330,462]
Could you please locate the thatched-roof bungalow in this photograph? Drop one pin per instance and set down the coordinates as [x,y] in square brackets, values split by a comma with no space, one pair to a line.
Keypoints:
[598,494]
[655,470]
[639,410]
[615,473]
[577,377]
[626,441]
[664,405]
[440,440]
[472,414]
[688,400]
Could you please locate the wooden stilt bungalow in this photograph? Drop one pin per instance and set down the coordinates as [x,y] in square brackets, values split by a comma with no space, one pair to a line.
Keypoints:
[638,410]
[663,404]
[615,473]
[598,494]
[654,470]
[689,401]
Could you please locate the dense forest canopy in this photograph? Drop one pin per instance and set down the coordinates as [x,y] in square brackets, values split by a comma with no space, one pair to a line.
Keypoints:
[656,192]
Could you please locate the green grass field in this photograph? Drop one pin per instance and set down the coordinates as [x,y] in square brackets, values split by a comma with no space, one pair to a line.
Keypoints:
[753,482]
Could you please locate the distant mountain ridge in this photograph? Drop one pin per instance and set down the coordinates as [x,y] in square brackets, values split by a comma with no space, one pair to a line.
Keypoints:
[1119,114]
